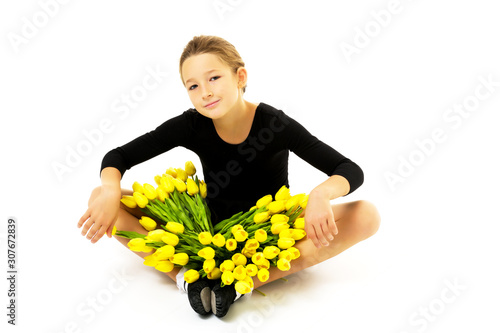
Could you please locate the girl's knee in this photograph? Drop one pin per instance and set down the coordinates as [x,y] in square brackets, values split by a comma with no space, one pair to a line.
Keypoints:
[368,218]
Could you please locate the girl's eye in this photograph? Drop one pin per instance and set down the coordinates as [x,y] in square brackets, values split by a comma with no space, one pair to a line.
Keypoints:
[214,78]
[193,87]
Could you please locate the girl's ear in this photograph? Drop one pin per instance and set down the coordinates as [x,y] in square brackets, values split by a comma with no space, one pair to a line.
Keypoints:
[242,76]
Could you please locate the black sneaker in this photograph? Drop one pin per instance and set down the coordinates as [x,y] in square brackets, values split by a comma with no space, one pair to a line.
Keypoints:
[222,298]
[199,296]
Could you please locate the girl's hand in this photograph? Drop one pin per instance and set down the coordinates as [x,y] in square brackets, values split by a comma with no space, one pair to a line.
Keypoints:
[101,215]
[320,223]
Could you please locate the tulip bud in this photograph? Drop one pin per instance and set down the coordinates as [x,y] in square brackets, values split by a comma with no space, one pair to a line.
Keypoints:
[150,261]
[260,235]
[175,227]
[252,269]
[261,217]
[205,237]
[191,276]
[249,280]
[278,227]
[242,287]
[203,189]
[240,272]
[239,259]
[140,199]
[165,252]
[294,201]
[303,203]
[276,207]
[158,180]
[218,240]
[167,183]
[181,174]
[129,201]
[207,253]
[248,253]
[264,201]
[286,254]
[299,223]
[285,243]
[190,169]
[294,251]
[180,259]
[170,238]
[208,265]
[227,278]
[231,244]
[227,265]
[214,274]
[263,275]
[283,264]
[149,191]
[286,233]
[171,172]
[282,194]
[136,244]
[252,244]
[279,218]
[258,258]
[240,235]
[136,187]
[165,266]
[270,252]
[148,223]
[298,234]
[192,188]
[161,194]
[179,185]
[155,235]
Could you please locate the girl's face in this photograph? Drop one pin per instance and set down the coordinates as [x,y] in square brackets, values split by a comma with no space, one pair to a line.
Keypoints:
[212,86]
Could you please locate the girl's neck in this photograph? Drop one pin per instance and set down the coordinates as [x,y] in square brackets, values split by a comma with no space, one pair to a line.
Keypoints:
[235,126]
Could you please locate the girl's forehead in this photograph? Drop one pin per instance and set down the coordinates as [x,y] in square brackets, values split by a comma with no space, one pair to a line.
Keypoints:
[201,64]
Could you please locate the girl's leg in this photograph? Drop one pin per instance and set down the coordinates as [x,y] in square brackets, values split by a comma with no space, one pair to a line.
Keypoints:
[128,220]
[356,221]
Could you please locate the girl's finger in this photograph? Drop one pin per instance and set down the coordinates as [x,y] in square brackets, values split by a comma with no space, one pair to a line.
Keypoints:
[83,218]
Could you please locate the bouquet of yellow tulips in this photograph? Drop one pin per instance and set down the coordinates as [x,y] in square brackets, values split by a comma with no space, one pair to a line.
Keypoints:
[234,250]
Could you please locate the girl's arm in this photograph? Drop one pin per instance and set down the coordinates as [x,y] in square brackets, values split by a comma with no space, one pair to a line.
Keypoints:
[102,213]
[320,223]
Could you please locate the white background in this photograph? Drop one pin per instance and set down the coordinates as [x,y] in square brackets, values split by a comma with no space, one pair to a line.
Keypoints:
[440,223]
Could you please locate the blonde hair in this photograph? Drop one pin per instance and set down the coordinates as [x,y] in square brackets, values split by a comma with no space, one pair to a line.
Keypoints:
[220,47]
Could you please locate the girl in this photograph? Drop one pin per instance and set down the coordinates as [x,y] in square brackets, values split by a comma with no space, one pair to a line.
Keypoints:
[240,145]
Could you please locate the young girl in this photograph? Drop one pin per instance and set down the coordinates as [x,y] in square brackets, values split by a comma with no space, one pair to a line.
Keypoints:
[241,145]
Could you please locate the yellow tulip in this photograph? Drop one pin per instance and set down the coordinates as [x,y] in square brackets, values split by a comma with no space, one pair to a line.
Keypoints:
[248,253]
[240,235]
[264,201]
[278,227]
[263,275]
[286,254]
[181,174]
[165,266]
[218,240]
[252,269]
[286,233]
[150,261]
[261,235]
[180,259]
[113,231]
[249,280]
[170,238]
[140,199]
[136,187]
[136,244]
[276,207]
[205,237]
[171,172]
[227,277]
[190,169]
[252,208]
[129,201]
[239,259]
[227,265]
[208,265]
[165,252]
[240,272]
[282,194]
[236,228]
[303,203]
[175,227]
[279,218]
[285,243]
[258,258]
[242,287]
[161,194]
[283,264]
[231,244]
[207,253]
[261,217]
[270,252]
[192,188]
[203,189]
[191,276]
[149,191]
[167,183]
[298,234]
[158,180]
[148,223]
[252,244]
[214,274]
[179,185]
[299,223]
[155,235]
[264,263]
[294,201]
[294,251]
